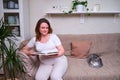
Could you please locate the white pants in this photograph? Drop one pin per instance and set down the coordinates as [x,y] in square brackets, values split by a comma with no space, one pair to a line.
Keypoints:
[53,68]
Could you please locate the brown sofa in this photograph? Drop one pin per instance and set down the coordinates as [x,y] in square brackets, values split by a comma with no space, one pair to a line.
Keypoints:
[105,45]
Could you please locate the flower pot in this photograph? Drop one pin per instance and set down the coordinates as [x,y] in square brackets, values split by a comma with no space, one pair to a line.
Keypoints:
[80,8]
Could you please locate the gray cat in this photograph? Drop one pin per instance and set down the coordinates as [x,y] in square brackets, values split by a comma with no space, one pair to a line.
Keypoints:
[94,61]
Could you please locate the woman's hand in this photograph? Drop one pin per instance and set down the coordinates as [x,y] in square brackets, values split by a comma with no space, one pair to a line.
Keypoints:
[32,53]
[28,51]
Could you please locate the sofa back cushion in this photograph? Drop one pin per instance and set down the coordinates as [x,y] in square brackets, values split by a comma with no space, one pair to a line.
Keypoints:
[101,43]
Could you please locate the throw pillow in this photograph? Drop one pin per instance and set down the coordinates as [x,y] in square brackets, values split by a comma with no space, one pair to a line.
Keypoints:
[80,49]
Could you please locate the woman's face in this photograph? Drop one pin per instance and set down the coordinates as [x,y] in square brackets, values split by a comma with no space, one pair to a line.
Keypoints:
[44,28]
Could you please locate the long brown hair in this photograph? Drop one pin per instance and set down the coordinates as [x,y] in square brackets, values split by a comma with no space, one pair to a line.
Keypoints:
[40,21]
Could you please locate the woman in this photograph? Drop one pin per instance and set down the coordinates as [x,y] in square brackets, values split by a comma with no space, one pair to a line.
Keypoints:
[51,66]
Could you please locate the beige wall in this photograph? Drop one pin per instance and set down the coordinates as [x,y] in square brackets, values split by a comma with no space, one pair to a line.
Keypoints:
[70,24]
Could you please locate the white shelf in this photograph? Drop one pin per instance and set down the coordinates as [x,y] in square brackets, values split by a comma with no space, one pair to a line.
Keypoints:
[11,11]
[12,24]
[84,12]
[90,12]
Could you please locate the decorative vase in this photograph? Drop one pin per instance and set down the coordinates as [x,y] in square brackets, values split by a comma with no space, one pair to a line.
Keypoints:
[11,20]
[11,5]
[96,7]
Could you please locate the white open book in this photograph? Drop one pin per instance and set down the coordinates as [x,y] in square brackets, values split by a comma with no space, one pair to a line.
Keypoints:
[50,53]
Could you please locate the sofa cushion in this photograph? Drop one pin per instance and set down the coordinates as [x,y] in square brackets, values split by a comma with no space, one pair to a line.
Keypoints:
[80,49]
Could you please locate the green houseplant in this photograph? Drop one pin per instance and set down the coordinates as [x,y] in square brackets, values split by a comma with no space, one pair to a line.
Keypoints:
[75,3]
[11,62]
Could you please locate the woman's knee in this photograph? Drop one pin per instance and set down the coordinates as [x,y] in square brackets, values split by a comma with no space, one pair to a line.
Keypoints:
[40,78]
[55,77]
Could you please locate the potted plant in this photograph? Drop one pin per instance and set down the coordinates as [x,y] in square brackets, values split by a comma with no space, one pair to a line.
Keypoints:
[11,62]
[75,3]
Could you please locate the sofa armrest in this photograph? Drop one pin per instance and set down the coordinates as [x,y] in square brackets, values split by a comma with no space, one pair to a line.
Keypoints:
[29,62]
